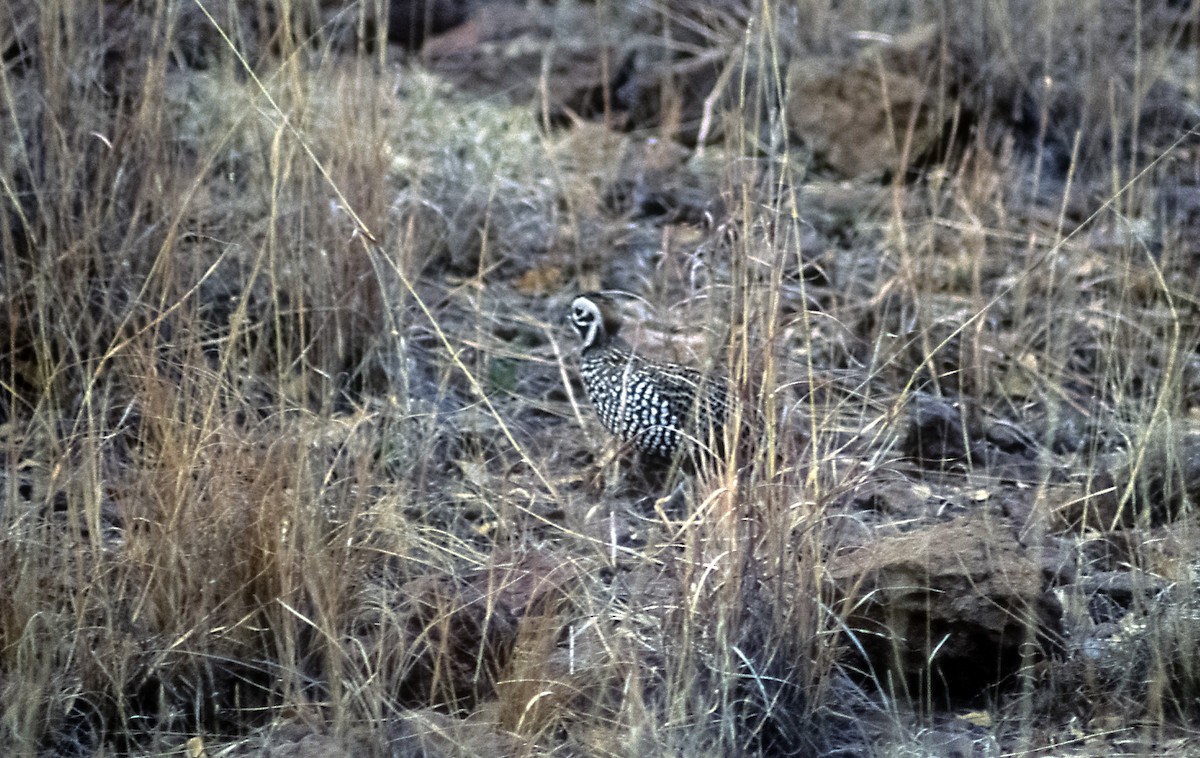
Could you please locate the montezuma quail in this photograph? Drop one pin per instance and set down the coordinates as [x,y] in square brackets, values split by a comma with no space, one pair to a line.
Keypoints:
[658,407]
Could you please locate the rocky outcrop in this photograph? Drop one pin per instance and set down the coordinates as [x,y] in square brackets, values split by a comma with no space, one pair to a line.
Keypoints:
[956,603]
[876,115]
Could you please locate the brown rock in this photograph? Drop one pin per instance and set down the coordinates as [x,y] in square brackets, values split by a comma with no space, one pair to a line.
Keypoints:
[949,606]
[873,115]
[554,56]
[410,22]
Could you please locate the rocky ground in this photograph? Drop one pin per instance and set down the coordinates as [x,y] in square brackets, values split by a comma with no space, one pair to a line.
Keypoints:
[296,460]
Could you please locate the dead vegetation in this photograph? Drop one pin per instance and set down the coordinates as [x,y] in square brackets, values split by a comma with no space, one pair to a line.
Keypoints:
[295,460]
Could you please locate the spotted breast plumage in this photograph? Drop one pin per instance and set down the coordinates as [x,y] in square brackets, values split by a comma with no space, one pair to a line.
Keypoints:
[661,408]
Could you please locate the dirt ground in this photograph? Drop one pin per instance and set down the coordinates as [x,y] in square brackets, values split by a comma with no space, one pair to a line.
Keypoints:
[297,462]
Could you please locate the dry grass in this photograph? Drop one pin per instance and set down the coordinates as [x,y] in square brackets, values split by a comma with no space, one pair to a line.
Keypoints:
[289,435]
